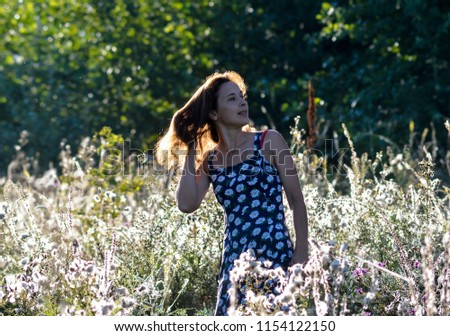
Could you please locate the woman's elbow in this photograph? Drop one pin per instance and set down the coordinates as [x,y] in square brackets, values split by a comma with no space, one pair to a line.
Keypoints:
[186,208]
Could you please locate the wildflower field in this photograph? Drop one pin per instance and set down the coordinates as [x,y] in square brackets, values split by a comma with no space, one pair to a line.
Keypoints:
[89,240]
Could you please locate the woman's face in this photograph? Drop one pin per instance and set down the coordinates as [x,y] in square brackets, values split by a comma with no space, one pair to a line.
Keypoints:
[232,108]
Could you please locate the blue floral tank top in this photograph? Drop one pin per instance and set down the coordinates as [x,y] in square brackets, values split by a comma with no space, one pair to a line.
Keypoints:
[250,193]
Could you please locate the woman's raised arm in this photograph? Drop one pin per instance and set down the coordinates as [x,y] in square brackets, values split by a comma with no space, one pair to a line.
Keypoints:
[193,184]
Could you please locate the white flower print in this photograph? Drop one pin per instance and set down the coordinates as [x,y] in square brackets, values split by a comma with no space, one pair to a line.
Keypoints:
[231,218]
[255,170]
[241,198]
[252,244]
[246,226]
[253,181]
[280,216]
[243,240]
[256,231]
[279,226]
[280,207]
[244,209]
[241,178]
[255,193]
[266,235]
[270,228]
[236,209]
[271,208]
[280,245]
[213,178]
[226,203]
[279,188]
[269,169]
[262,249]
[239,187]
[229,192]
[234,233]
[232,174]
[269,178]
[218,189]
[232,182]
[269,221]
[279,235]
[260,220]
[255,203]
[235,245]
[245,166]
[278,198]
[221,178]
[289,244]
[254,214]
[238,221]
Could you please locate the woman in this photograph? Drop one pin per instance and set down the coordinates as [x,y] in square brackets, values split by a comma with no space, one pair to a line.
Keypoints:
[248,171]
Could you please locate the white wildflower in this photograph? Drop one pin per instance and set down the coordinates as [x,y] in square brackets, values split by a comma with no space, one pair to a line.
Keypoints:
[102,307]
[128,302]
[121,291]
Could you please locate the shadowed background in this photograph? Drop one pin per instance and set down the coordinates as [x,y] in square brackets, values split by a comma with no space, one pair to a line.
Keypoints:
[70,67]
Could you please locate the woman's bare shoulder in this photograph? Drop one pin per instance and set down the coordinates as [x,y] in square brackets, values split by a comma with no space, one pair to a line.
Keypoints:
[274,136]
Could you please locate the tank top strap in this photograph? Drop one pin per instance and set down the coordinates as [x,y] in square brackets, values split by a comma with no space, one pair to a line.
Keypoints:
[257,143]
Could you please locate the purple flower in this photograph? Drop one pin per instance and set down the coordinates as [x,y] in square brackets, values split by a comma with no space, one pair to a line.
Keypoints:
[367,313]
[359,272]
[412,311]
[381,264]
[416,264]
[359,290]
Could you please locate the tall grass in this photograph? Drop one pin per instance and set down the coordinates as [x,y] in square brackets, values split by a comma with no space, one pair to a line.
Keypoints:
[88,242]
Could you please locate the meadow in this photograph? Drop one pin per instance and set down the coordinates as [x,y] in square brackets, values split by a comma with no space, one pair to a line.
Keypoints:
[85,239]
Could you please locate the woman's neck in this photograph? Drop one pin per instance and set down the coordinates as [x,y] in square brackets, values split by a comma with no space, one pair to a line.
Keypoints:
[232,140]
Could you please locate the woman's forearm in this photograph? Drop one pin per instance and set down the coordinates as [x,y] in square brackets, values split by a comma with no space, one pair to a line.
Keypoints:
[300,217]
[186,195]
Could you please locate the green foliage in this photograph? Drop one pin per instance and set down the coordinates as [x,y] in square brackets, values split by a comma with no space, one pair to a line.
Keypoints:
[385,63]
[72,67]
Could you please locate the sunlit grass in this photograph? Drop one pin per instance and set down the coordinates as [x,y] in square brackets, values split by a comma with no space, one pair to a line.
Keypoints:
[83,243]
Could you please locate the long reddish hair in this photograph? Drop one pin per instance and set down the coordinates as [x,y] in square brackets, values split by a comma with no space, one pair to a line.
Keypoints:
[192,121]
